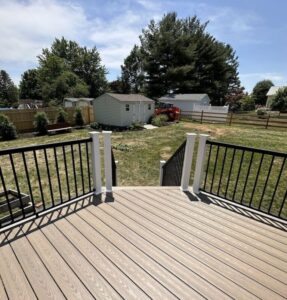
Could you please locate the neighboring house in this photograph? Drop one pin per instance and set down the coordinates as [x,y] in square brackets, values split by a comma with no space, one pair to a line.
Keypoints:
[122,109]
[30,104]
[185,101]
[271,94]
[78,102]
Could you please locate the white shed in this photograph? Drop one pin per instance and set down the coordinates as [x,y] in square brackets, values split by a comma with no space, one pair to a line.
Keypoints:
[272,93]
[185,101]
[122,109]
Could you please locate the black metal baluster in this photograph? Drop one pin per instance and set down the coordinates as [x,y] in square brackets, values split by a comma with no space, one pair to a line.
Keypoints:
[277,183]
[17,185]
[66,171]
[222,168]
[266,182]
[247,176]
[207,167]
[230,171]
[283,203]
[88,166]
[49,177]
[6,195]
[58,175]
[81,167]
[256,179]
[28,180]
[39,179]
[214,168]
[238,174]
[74,169]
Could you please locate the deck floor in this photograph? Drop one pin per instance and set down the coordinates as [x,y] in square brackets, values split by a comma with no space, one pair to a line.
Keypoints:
[144,243]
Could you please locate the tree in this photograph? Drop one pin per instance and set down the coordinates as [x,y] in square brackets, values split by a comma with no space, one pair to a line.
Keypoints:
[260,90]
[280,100]
[132,72]
[30,85]
[247,103]
[234,97]
[67,55]
[118,86]
[179,55]
[8,91]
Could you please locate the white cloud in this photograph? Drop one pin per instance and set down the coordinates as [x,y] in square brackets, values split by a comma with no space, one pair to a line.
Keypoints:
[27,27]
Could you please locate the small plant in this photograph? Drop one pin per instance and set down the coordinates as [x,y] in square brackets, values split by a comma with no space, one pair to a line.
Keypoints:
[136,126]
[261,112]
[122,147]
[95,125]
[79,120]
[159,120]
[62,116]
[7,129]
[40,122]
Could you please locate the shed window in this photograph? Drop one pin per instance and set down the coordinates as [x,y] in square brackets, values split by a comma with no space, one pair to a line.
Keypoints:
[127,107]
[149,107]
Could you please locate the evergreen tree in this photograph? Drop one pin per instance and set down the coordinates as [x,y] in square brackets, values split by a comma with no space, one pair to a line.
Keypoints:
[179,55]
[260,90]
[9,94]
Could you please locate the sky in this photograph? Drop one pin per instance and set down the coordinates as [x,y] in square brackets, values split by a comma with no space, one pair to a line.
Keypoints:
[256,29]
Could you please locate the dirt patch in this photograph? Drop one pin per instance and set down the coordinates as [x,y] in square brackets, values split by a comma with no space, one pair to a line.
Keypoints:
[211,129]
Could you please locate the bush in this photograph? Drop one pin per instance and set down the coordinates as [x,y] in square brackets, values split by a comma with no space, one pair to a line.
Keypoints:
[62,116]
[79,120]
[95,125]
[261,112]
[40,122]
[159,120]
[247,103]
[136,126]
[7,129]
[280,101]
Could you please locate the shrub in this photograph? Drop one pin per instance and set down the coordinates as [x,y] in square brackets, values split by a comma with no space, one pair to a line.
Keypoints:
[7,129]
[261,112]
[247,103]
[95,125]
[280,101]
[136,126]
[159,120]
[62,116]
[79,120]
[40,122]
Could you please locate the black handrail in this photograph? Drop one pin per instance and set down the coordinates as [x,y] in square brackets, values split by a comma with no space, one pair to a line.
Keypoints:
[252,177]
[37,178]
[172,169]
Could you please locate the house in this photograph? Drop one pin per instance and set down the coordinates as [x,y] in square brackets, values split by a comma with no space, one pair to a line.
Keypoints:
[272,93]
[122,109]
[186,101]
[78,102]
[30,104]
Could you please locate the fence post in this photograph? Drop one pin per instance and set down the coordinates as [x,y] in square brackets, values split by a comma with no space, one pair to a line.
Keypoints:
[188,154]
[96,163]
[201,118]
[108,160]
[267,121]
[230,120]
[161,164]
[199,162]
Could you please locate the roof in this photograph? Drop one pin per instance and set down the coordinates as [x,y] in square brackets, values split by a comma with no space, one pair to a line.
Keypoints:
[130,97]
[273,90]
[184,97]
[78,99]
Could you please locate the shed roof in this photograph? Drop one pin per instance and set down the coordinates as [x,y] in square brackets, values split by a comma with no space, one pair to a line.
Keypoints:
[130,97]
[78,99]
[273,90]
[184,97]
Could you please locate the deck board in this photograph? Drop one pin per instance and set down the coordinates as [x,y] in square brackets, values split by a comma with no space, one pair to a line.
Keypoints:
[148,243]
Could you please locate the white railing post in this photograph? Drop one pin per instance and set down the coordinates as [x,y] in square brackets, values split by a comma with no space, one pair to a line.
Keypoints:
[199,162]
[161,164]
[108,160]
[188,154]
[96,162]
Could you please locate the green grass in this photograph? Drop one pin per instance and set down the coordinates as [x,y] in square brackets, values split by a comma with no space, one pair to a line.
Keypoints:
[139,153]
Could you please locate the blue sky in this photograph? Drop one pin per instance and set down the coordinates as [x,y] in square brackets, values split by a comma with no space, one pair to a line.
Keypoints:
[256,29]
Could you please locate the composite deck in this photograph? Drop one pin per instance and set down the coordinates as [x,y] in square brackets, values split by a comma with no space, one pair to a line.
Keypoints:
[144,243]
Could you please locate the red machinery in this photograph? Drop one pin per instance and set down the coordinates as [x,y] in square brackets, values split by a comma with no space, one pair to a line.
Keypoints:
[168,109]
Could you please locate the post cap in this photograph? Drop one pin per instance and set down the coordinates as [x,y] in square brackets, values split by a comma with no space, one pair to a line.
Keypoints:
[106,132]
[191,134]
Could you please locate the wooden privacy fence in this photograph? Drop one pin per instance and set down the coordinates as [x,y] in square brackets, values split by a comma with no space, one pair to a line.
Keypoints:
[23,118]
[266,122]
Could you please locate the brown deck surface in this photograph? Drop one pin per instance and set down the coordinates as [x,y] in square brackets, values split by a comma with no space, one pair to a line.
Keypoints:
[147,243]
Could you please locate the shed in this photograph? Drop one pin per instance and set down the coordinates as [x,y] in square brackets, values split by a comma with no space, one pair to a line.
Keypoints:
[122,109]
[186,101]
[78,102]
[272,93]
